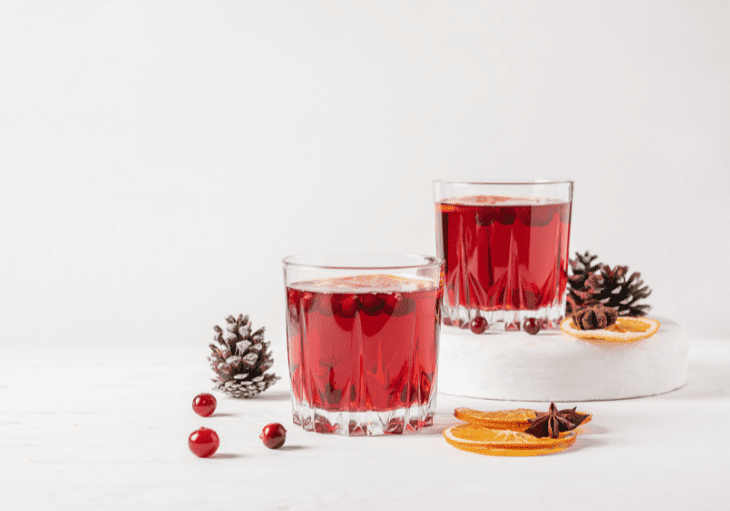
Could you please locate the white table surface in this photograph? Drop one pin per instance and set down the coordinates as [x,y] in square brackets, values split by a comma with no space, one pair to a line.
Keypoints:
[107,428]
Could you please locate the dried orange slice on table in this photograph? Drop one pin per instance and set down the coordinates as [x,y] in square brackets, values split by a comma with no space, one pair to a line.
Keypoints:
[517,419]
[624,330]
[499,442]
[517,432]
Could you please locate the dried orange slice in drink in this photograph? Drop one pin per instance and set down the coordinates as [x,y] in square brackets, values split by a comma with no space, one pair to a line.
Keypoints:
[517,419]
[624,330]
[365,283]
[500,442]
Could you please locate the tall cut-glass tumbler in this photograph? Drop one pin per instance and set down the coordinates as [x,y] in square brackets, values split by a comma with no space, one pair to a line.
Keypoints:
[506,252]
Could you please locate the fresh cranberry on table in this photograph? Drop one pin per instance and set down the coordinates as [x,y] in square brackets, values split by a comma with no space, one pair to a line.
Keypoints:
[203,442]
[273,435]
[204,404]
[478,325]
[531,326]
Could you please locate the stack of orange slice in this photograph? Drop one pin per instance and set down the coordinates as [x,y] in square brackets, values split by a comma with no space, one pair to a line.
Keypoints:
[501,433]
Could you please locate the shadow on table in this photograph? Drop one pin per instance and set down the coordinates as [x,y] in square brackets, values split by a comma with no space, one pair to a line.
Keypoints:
[272,395]
[291,448]
[591,429]
[706,381]
[586,442]
[225,456]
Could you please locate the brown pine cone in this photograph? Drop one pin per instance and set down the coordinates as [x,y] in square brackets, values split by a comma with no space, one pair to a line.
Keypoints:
[592,284]
[595,317]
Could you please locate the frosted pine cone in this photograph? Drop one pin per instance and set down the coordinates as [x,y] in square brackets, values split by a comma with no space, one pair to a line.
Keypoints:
[241,359]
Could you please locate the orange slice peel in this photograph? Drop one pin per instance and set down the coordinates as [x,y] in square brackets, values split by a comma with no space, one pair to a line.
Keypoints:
[624,330]
[497,442]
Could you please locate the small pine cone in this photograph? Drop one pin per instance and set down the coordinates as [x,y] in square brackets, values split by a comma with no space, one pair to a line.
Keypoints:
[241,359]
[595,317]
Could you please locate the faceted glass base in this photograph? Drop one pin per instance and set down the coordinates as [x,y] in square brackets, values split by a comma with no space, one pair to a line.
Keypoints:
[549,318]
[369,423]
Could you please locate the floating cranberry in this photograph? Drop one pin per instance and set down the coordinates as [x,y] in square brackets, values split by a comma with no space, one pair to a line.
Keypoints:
[478,325]
[485,216]
[371,304]
[203,442]
[531,326]
[345,306]
[506,215]
[204,404]
[390,302]
[273,435]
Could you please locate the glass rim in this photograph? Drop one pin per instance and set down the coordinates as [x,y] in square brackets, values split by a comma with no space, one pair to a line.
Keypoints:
[523,183]
[426,261]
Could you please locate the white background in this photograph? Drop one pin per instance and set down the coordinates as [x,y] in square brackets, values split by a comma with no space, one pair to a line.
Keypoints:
[159,159]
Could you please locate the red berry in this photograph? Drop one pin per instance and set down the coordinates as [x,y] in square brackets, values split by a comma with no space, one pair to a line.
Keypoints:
[531,326]
[371,304]
[506,215]
[486,216]
[345,306]
[273,435]
[203,442]
[204,404]
[390,302]
[478,325]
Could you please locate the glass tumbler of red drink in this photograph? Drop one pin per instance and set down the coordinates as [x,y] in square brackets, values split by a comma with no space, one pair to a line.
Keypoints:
[506,251]
[362,340]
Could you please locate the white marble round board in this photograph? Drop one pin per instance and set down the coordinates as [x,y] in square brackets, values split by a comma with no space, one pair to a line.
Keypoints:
[554,366]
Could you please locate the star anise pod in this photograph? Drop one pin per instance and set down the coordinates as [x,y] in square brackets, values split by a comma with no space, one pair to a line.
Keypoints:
[595,317]
[554,422]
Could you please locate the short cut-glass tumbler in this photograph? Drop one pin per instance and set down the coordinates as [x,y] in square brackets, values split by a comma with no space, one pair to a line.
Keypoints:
[362,337]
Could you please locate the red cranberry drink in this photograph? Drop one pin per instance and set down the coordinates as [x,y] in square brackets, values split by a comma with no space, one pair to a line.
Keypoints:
[363,352]
[504,253]
[506,259]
